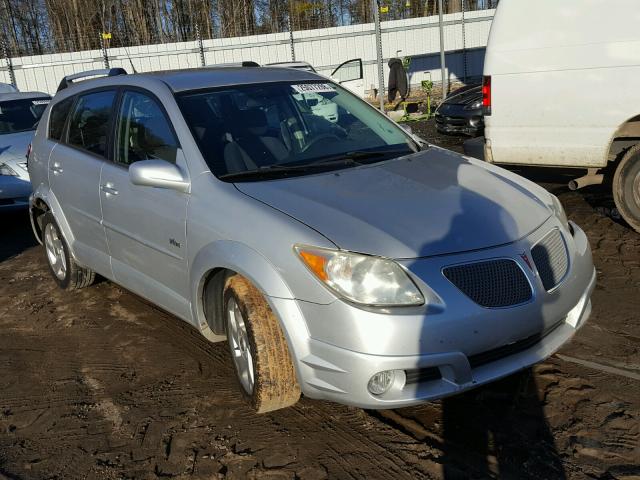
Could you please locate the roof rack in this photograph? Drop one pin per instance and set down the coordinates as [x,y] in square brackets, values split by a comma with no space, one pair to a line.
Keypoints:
[107,72]
[245,63]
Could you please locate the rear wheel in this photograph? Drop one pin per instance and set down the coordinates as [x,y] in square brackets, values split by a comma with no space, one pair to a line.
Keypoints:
[64,269]
[258,348]
[626,187]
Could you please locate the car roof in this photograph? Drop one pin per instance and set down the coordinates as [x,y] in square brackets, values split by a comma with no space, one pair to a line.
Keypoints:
[198,78]
[6,97]
[201,78]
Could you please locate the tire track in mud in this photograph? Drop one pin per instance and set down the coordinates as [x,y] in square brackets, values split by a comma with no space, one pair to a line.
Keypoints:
[191,392]
[342,429]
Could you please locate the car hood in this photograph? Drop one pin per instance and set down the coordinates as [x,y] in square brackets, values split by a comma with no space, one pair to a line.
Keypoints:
[13,149]
[431,203]
[466,97]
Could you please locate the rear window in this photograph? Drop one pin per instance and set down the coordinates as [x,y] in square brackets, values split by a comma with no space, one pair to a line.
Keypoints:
[58,117]
[21,115]
[89,124]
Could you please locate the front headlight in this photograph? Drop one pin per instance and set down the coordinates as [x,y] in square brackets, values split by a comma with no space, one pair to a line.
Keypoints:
[362,279]
[559,212]
[7,170]
[475,105]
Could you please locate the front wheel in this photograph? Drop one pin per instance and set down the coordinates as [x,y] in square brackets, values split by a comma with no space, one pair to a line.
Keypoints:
[258,348]
[64,269]
[626,187]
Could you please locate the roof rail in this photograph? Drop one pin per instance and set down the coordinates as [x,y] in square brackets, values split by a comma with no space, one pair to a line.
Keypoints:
[107,72]
[245,63]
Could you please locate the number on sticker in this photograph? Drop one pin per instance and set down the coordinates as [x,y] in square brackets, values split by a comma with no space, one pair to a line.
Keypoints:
[313,88]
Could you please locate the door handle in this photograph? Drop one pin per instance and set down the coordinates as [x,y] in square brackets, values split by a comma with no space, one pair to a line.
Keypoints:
[56,168]
[109,189]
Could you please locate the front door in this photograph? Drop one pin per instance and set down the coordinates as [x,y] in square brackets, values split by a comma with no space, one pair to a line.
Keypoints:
[350,75]
[145,226]
[74,175]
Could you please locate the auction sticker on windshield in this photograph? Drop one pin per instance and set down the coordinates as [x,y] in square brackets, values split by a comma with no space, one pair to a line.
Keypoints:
[314,88]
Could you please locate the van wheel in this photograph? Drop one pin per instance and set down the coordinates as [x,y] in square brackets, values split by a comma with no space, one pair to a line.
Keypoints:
[64,269]
[626,187]
[258,348]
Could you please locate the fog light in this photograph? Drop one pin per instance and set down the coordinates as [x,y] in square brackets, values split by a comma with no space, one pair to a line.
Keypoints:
[381,382]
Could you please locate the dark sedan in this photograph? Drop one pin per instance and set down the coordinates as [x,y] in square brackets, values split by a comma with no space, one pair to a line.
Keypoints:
[461,112]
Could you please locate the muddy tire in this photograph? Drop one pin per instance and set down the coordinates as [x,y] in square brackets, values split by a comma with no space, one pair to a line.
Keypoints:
[64,269]
[258,348]
[626,187]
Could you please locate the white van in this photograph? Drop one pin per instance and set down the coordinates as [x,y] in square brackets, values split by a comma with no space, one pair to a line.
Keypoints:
[562,89]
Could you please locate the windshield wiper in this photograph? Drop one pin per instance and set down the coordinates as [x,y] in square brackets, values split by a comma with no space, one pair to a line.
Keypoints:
[277,170]
[360,156]
[353,158]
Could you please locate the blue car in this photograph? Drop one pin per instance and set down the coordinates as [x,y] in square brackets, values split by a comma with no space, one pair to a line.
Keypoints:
[19,117]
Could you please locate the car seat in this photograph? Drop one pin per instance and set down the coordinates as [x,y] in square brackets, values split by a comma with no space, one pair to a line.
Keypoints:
[251,147]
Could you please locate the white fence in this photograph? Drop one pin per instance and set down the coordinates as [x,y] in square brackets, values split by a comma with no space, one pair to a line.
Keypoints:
[324,48]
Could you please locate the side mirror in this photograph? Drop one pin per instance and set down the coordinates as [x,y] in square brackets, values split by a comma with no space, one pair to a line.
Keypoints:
[160,174]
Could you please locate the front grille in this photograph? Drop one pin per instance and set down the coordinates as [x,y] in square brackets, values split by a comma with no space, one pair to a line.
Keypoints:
[550,257]
[421,375]
[491,284]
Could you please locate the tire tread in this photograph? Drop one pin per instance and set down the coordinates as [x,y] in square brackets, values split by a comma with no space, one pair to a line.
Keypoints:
[275,385]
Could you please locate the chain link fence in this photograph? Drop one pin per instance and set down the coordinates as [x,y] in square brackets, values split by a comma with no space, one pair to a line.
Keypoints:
[67,36]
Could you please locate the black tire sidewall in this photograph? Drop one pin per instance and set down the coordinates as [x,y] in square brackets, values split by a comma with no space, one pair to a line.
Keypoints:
[48,218]
[229,294]
[628,168]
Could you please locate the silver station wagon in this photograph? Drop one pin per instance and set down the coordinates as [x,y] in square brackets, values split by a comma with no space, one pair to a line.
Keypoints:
[343,258]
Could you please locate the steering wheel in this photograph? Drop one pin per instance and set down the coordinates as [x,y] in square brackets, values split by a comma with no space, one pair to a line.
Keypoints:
[319,138]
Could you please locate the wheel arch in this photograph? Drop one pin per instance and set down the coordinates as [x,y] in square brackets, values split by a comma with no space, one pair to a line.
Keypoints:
[209,270]
[44,200]
[625,136]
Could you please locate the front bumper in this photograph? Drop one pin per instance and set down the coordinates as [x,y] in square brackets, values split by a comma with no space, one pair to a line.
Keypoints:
[467,123]
[14,193]
[442,350]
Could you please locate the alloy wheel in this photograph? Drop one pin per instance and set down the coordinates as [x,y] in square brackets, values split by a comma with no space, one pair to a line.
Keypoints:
[240,347]
[55,251]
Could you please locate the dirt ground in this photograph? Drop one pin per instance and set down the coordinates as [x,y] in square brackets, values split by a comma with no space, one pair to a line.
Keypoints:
[100,384]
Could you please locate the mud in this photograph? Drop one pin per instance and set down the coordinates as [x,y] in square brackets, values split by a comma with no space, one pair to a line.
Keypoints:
[100,384]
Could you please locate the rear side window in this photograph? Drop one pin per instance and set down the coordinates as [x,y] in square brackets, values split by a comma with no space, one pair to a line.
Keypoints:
[58,117]
[89,125]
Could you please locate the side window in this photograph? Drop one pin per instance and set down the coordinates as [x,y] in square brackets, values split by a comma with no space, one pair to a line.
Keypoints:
[144,133]
[89,127]
[58,117]
[348,71]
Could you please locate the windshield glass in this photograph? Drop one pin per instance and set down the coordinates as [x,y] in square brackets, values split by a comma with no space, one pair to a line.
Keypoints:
[280,127]
[21,115]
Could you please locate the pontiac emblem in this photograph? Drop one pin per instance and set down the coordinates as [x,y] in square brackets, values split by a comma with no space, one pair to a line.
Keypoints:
[526,260]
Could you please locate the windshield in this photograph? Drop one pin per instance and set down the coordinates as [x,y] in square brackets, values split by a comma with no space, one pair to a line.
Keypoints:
[21,115]
[284,127]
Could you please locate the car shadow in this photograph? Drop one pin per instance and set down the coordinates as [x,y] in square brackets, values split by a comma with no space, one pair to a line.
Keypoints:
[498,430]
[17,235]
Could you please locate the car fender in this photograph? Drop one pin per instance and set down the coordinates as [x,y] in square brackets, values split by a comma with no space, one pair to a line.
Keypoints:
[47,196]
[240,258]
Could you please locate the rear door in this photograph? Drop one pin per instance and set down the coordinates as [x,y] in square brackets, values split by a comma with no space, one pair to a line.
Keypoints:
[350,75]
[74,176]
[145,226]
